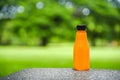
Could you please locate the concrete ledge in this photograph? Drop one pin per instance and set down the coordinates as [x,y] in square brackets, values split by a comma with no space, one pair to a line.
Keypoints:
[63,74]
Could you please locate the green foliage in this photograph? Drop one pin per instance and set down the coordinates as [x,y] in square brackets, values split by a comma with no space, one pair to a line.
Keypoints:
[38,22]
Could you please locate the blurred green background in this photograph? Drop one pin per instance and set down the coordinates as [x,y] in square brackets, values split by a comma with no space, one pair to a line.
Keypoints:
[41,33]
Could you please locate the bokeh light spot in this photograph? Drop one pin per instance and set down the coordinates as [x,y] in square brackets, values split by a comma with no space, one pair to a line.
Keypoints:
[69,5]
[86,11]
[20,9]
[39,5]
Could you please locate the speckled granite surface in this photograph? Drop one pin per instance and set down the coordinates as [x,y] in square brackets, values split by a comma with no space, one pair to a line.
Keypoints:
[63,74]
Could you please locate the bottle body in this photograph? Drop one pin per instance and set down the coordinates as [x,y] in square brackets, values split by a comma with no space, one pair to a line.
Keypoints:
[81,51]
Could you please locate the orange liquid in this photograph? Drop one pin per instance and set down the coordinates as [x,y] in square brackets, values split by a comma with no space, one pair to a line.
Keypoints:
[81,51]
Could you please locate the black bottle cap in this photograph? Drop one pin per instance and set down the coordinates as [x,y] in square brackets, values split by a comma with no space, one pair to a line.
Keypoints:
[81,27]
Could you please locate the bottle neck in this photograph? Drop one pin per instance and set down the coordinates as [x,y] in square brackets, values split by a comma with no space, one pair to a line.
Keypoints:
[81,35]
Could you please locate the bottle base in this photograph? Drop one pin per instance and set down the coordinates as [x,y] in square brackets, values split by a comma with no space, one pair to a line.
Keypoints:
[81,69]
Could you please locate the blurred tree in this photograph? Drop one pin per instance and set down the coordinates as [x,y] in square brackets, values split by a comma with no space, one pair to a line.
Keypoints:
[37,22]
[43,21]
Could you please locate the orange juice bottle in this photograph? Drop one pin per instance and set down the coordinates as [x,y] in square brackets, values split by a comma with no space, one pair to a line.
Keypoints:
[81,49]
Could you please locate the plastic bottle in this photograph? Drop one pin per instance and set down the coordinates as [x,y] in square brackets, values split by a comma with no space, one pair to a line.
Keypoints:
[81,49]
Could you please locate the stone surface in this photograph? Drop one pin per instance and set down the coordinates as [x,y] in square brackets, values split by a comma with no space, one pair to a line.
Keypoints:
[63,74]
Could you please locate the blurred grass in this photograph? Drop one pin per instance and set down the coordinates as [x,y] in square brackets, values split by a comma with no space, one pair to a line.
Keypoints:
[14,58]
